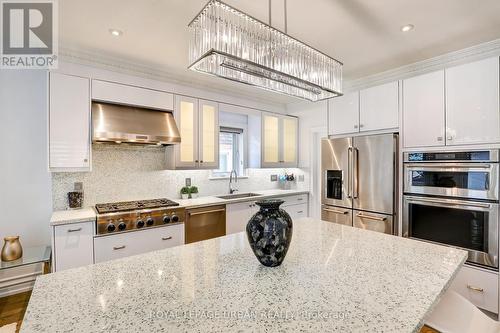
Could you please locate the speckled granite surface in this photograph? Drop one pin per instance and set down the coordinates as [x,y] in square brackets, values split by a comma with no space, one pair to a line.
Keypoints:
[86,214]
[334,278]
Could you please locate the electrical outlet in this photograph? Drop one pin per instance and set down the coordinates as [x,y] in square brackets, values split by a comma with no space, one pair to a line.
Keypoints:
[274,178]
[188,181]
[301,178]
[78,187]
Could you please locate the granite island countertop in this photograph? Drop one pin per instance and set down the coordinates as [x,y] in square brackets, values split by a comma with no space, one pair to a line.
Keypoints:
[86,214]
[334,278]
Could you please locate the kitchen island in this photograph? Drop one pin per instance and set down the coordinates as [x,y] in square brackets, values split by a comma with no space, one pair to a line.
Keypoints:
[334,278]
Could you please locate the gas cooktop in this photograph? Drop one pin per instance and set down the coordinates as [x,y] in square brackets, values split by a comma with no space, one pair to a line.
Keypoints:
[133,205]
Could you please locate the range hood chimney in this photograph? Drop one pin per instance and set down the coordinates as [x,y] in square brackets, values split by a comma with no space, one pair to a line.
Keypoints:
[127,124]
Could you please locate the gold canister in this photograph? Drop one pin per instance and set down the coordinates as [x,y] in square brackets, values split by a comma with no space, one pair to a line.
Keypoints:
[11,249]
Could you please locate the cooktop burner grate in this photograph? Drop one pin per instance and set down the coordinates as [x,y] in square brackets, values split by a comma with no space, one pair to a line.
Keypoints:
[133,205]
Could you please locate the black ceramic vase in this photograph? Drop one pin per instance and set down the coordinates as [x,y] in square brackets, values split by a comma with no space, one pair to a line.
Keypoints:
[269,232]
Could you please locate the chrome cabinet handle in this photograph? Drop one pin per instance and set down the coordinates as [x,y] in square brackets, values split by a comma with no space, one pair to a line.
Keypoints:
[74,230]
[166,238]
[300,212]
[440,138]
[208,212]
[118,247]
[336,211]
[450,138]
[478,289]
[369,217]
[300,199]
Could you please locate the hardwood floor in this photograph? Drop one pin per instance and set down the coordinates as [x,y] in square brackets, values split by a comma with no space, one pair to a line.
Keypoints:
[12,309]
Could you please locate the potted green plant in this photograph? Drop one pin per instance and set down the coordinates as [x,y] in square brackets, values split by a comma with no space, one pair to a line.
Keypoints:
[185,192]
[194,191]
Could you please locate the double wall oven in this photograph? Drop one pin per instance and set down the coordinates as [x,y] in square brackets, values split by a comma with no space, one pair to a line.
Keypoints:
[451,198]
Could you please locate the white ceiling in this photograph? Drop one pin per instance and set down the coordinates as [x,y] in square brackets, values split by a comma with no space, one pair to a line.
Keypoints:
[364,34]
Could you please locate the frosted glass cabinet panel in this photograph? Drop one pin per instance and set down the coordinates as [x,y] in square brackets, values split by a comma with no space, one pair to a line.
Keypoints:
[187,121]
[472,103]
[271,140]
[198,123]
[279,141]
[290,136]
[209,135]
[69,123]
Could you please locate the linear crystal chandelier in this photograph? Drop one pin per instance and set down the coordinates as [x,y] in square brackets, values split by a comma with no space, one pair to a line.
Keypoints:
[233,45]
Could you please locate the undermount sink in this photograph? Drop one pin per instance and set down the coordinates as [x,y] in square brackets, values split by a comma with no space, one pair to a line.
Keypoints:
[238,196]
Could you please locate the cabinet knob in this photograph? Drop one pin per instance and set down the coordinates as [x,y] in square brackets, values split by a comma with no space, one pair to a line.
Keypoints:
[440,138]
[356,126]
[201,161]
[196,161]
[85,160]
[450,138]
[361,126]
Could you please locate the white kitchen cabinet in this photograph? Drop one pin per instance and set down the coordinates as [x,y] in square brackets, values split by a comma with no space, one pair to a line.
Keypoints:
[238,215]
[198,123]
[73,245]
[69,123]
[424,110]
[379,107]
[112,92]
[343,114]
[296,211]
[279,141]
[126,244]
[472,103]
[478,286]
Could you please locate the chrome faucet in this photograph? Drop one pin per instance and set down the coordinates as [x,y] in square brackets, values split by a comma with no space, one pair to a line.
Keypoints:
[231,189]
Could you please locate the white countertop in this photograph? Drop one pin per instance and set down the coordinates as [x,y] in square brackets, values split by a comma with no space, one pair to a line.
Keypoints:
[354,280]
[88,214]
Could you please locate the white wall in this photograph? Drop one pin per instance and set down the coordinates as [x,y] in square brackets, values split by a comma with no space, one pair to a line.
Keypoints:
[312,127]
[25,183]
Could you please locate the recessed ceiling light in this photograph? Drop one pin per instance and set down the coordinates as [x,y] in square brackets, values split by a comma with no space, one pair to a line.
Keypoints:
[407,27]
[116,32]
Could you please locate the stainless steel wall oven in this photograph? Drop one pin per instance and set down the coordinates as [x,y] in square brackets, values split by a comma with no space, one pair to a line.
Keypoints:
[451,198]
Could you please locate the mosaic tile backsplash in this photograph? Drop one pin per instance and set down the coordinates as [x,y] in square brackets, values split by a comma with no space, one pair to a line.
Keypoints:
[121,173]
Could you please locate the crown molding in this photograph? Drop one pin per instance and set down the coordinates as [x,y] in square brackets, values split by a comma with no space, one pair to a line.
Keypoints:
[122,66]
[476,52]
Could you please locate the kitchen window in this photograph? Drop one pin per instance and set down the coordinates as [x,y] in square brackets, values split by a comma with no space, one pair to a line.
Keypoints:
[231,152]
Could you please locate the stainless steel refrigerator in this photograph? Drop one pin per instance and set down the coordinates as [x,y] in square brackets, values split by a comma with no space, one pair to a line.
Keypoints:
[359,181]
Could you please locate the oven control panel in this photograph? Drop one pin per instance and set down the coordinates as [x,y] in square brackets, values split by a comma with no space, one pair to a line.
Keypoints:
[474,156]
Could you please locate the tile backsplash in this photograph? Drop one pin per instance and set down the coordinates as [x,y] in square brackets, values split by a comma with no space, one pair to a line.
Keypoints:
[121,173]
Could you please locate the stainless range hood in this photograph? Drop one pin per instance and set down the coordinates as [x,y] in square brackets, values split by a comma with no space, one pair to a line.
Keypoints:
[127,124]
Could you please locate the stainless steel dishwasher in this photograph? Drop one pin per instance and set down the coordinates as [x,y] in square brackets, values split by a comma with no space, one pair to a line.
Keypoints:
[205,223]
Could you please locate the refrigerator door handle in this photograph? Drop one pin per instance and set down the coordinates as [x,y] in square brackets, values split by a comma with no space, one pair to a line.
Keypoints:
[349,170]
[355,163]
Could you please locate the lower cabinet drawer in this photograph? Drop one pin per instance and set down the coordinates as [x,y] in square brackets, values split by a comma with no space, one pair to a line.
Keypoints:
[293,200]
[478,286]
[137,242]
[296,211]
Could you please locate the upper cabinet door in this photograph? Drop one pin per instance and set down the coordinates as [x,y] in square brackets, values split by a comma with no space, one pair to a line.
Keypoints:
[69,123]
[472,103]
[343,114]
[423,110]
[186,115]
[379,107]
[270,141]
[129,95]
[289,139]
[209,135]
